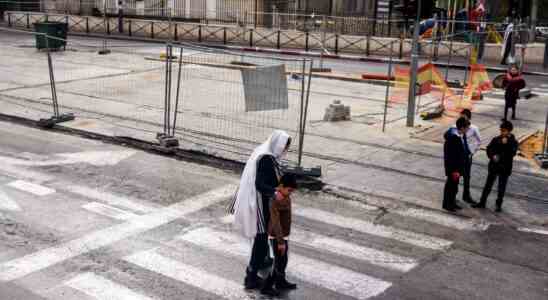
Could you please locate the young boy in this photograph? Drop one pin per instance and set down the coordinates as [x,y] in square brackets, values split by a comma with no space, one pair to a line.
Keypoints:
[278,231]
[473,139]
[513,82]
[456,154]
[501,152]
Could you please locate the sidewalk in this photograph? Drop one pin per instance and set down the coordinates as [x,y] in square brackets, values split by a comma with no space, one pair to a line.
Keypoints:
[391,168]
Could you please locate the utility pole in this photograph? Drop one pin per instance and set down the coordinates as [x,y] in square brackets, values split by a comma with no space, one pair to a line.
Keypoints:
[534,17]
[414,69]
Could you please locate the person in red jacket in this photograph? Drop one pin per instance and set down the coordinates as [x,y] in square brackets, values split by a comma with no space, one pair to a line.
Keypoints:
[513,82]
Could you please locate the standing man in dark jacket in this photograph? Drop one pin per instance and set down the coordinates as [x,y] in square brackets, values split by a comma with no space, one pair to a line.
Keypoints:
[456,154]
[513,83]
[501,152]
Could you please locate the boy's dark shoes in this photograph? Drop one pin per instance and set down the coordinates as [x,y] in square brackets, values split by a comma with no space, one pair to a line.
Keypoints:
[270,291]
[283,284]
[478,205]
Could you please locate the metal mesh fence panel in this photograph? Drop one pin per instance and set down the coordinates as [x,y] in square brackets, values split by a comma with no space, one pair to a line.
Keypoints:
[229,103]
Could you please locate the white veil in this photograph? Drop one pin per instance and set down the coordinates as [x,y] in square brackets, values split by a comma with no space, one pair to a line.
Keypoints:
[245,207]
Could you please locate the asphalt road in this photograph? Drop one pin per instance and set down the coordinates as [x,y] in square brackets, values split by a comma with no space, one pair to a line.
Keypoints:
[80,219]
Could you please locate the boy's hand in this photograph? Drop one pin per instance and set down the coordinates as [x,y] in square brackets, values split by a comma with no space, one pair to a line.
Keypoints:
[456,176]
[279,196]
[505,140]
[281,248]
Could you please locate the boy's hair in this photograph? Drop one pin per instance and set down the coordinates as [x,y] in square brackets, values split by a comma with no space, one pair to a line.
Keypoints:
[507,125]
[462,123]
[289,180]
[467,113]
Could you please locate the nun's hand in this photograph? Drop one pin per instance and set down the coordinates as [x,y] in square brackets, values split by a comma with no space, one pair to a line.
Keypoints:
[278,196]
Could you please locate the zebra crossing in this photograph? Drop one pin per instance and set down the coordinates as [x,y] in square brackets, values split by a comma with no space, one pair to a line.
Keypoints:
[335,262]
[541,90]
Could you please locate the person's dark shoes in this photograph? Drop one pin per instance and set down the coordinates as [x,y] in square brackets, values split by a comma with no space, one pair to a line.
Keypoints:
[270,291]
[478,205]
[283,284]
[498,209]
[449,209]
[251,280]
[469,200]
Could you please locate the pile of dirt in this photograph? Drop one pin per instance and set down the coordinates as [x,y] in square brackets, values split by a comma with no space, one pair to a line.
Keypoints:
[532,145]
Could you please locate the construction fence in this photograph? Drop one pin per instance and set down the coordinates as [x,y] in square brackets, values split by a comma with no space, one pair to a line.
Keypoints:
[217,102]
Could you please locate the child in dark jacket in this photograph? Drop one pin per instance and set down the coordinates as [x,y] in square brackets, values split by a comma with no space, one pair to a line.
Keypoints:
[513,83]
[501,152]
[456,155]
[279,228]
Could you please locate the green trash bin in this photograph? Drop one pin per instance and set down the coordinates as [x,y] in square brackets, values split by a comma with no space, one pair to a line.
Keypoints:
[57,30]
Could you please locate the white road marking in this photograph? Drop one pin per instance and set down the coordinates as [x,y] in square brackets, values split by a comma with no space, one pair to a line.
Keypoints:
[442,219]
[109,211]
[102,289]
[96,158]
[337,279]
[6,203]
[405,236]
[42,259]
[188,274]
[32,188]
[339,247]
[131,204]
[534,230]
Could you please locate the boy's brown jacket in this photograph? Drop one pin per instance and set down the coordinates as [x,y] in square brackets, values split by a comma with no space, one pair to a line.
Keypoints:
[280,219]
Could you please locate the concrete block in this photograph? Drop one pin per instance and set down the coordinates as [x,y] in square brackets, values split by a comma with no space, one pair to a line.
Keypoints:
[337,112]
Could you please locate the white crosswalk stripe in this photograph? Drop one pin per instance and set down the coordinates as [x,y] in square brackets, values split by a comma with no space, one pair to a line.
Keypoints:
[101,288]
[32,188]
[442,219]
[337,279]
[188,274]
[404,236]
[343,248]
[109,211]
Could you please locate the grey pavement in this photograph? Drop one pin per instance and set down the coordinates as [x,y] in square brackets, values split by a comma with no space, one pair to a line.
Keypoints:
[101,221]
[122,95]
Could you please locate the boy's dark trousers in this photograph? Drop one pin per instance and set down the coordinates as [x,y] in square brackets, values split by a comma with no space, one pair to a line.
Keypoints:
[450,193]
[466,178]
[280,263]
[507,106]
[491,177]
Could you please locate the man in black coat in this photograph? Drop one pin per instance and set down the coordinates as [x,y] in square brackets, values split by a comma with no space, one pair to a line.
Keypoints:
[501,152]
[456,154]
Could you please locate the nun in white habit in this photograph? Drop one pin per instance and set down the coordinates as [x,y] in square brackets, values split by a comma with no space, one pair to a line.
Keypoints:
[252,206]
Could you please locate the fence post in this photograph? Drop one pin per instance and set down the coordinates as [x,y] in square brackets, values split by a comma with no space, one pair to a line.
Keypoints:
[176,32]
[250,37]
[306,46]
[545,65]
[9,19]
[87,25]
[388,86]
[200,33]
[367,44]
[336,43]
[152,29]
[28,21]
[108,26]
[278,40]
[129,29]
[224,35]
[545,142]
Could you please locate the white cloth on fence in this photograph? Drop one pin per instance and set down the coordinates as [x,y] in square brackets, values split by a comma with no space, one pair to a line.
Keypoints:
[245,207]
[507,38]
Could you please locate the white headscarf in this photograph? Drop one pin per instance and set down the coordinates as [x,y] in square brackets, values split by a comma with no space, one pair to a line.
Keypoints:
[245,207]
